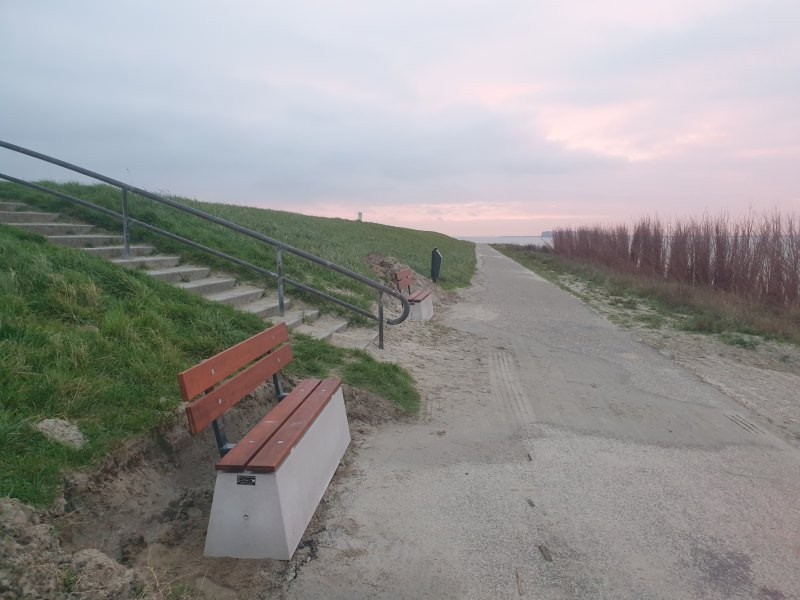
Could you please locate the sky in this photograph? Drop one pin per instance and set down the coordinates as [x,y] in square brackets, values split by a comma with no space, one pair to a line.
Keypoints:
[472,118]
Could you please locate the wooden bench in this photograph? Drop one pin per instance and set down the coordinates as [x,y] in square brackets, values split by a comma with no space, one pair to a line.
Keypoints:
[421,301]
[270,483]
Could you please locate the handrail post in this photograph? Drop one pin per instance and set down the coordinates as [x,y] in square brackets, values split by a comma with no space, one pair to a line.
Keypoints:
[126,240]
[380,319]
[279,269]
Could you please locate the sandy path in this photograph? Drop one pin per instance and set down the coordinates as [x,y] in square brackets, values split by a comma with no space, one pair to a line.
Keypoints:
[557,457]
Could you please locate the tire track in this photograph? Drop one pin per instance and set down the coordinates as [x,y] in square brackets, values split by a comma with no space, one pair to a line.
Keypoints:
[506,386]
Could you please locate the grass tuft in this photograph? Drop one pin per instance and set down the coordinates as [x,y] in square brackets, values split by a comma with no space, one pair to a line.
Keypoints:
[356,368]
[746,342]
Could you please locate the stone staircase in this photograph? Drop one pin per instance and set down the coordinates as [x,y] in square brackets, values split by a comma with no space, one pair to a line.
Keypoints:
[195,279]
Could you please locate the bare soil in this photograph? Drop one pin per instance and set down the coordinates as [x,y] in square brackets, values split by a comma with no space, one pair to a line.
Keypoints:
[135,526]
[384,266]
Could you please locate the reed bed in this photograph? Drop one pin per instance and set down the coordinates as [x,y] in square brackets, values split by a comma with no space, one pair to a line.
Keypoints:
[756,258]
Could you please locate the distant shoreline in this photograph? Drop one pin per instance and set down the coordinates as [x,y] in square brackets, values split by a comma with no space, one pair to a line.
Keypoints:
[520,240]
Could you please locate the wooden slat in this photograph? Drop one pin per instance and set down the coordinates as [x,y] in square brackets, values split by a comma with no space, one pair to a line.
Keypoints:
[236,460]
[205,409]
[277,449]
[210,372]
[404,280]
[419,296]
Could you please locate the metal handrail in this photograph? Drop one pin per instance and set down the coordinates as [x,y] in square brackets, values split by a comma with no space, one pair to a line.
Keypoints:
[280,247]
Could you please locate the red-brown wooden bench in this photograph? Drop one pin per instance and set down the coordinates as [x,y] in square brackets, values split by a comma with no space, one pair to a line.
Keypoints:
[269,483]
[421,301]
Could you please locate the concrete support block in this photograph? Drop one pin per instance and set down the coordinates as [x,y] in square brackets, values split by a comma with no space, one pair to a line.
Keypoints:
[264,515]
[422,311]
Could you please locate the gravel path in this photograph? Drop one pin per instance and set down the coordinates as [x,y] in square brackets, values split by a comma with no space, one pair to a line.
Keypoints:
[557,457]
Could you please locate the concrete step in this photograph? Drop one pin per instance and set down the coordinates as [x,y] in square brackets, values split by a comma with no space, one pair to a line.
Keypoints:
[358,338]
[12,206]
[296,318]
[50,229]
[193,279]
[158,261]
[323,328]
[21,216]
[236,296]
[265,307]
[116,251]
[180,273]
[92,240]
[207,285]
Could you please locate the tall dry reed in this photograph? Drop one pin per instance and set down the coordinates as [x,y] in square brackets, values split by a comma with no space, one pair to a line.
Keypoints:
[755,257]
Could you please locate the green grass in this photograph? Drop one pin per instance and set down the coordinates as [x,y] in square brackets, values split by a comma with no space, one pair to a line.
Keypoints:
[357,368]
[624,302]
[84,340]
[741,341]
[653,321]
[343,242]
[698,310]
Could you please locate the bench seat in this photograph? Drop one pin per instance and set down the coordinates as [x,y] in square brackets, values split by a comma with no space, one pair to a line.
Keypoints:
[418,296]
[260,513]
[270,482]
[264,448]
[421,301]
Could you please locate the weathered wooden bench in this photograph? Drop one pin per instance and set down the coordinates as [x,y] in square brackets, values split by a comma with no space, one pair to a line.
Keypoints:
[421,301]
[270,483]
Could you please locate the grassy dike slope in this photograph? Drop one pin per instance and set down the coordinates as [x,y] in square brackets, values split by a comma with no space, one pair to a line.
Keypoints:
[347,243]
[84,340]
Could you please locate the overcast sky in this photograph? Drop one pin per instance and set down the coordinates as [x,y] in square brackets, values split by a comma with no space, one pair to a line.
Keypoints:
[465,117]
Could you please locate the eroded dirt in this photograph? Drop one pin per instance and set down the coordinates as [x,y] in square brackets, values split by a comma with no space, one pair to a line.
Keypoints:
[384,266]
[135,527]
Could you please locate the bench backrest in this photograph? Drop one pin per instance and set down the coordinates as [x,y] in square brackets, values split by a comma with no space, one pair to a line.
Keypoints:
[404,280]
[222,380]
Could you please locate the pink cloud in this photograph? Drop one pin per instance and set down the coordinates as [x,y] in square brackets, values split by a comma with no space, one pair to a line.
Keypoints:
[458,219]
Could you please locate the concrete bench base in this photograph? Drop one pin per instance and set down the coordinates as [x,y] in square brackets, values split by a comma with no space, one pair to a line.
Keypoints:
[264,515]
[422,311]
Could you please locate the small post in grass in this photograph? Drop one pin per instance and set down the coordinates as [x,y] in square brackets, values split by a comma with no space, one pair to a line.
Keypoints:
[380,319]
[126,240]
[279,267]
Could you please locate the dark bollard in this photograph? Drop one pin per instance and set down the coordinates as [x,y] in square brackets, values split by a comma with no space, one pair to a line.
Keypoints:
[436,264]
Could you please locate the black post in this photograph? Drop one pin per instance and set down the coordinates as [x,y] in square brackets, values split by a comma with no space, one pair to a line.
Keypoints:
[279,268]
[380,320]
[436,264]
[126,240]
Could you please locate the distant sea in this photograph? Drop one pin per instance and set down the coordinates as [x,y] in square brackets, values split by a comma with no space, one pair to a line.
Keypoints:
[522,240]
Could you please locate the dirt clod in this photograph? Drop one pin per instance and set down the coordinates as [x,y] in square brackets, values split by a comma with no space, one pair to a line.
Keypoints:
[61,431]
[29,553]
[96,575]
